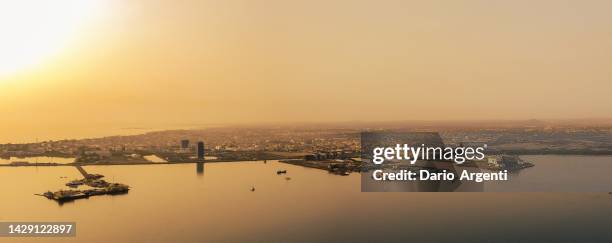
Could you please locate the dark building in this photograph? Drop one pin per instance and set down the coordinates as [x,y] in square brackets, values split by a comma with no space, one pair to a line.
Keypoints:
[185,144]
[200,151]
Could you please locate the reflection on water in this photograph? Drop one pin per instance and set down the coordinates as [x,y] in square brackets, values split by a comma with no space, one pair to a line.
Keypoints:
[200,169]
[559,173]
[169,203]
[37,159]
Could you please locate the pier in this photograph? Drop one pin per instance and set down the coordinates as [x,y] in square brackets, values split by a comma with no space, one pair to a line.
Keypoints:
[83,172]
[87,175]
[100,187]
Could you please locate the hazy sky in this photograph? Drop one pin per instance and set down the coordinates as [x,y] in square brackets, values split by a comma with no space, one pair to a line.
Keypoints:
[156,62]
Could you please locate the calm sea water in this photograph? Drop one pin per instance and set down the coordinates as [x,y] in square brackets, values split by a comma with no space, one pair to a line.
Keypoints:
[184,203]
[559,173]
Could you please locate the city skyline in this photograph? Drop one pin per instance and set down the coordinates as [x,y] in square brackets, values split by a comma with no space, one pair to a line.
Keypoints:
[44,131]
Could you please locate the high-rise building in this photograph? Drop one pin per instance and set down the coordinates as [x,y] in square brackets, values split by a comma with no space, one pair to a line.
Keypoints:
[185,144]
[201,151]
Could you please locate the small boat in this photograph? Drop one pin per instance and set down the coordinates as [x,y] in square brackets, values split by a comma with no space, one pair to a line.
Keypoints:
[252,188]
[116,188]
[97,183]
[95,192]
[281,172]
[74,183]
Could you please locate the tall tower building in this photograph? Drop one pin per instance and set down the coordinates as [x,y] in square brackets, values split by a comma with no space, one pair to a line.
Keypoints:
[200,151]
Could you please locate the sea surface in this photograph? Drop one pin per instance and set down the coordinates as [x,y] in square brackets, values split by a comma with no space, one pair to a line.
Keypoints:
[215,202]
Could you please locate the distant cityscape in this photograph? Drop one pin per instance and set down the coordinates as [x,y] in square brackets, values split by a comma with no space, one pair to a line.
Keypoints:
[238,143]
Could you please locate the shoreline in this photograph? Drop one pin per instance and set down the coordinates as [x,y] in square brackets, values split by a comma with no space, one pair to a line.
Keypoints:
[287,161]
[126,163]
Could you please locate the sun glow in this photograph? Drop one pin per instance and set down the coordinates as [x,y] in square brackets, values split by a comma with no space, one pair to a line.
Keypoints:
[32,31]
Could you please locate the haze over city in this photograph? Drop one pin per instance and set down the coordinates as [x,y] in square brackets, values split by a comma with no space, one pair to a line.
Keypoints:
[84,66]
